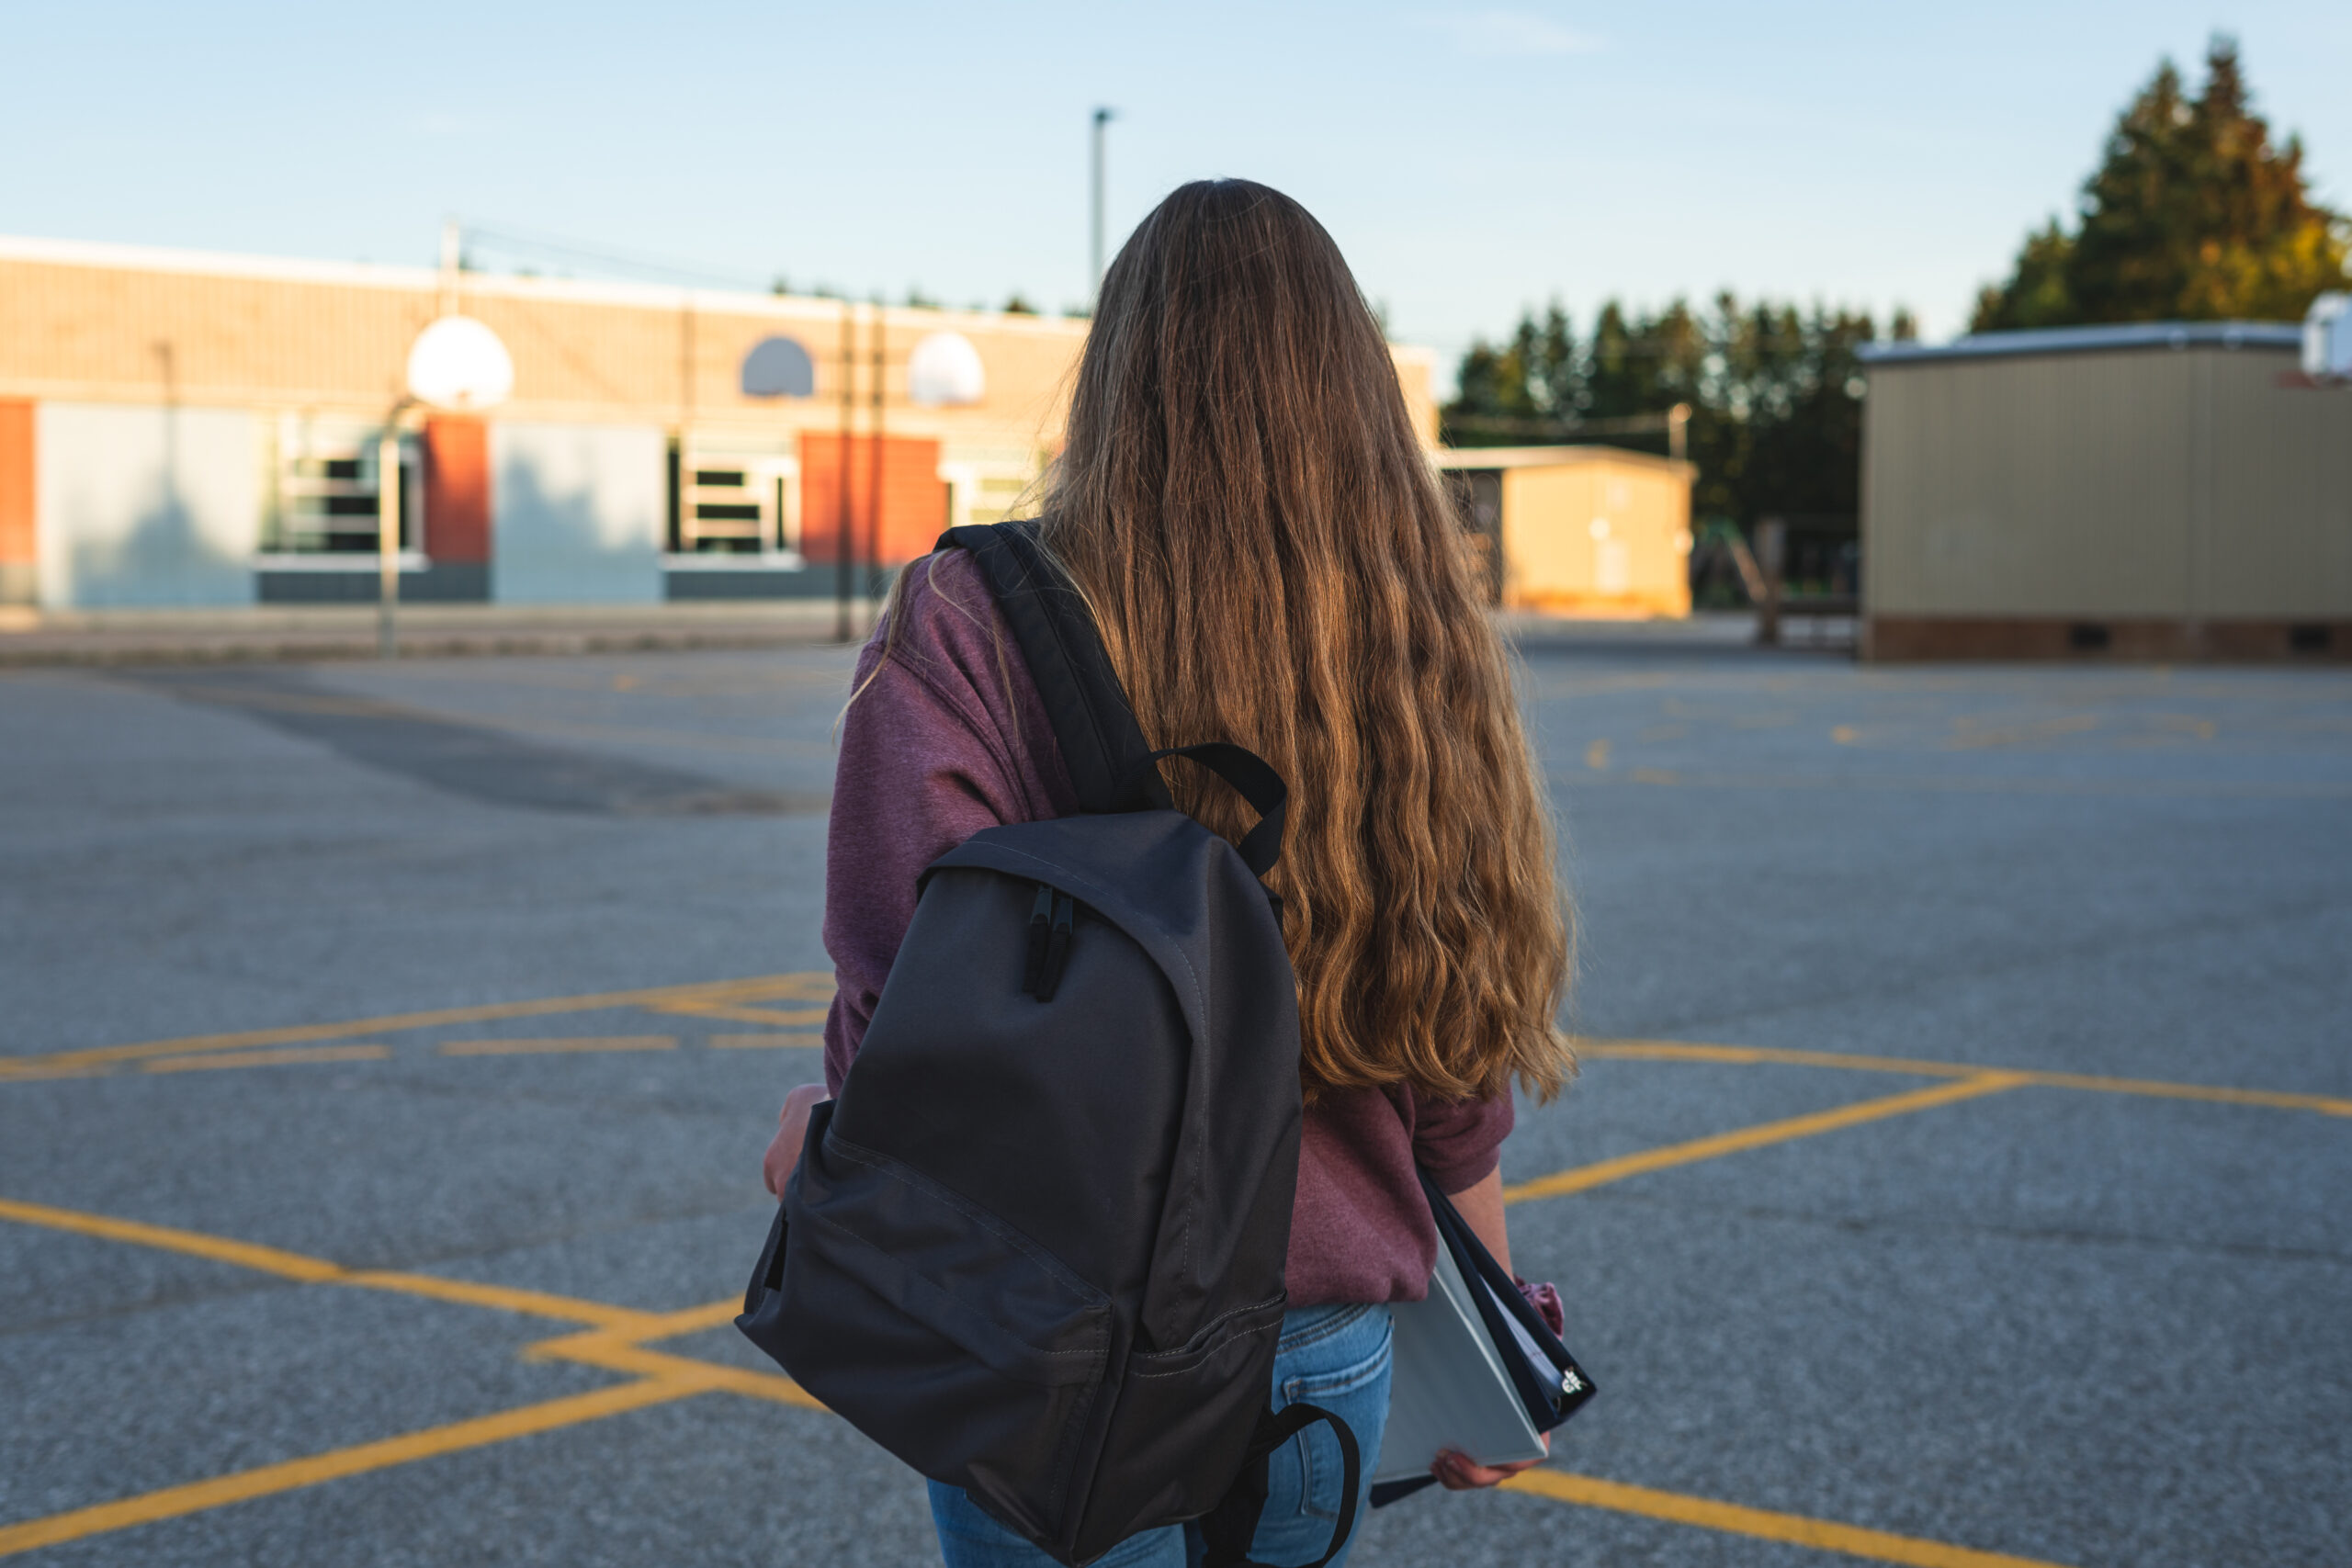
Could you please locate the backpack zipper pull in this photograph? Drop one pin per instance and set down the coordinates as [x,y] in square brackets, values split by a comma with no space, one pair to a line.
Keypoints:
[1040,916]
[1058,946]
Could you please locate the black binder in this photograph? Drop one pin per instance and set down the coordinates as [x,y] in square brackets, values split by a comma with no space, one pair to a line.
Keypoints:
[1543,1374]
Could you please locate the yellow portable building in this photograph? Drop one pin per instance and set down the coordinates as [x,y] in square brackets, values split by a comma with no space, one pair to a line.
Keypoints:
[1578,530]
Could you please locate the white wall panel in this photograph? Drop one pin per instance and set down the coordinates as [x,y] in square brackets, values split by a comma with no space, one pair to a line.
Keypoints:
[577,514]
[145,505]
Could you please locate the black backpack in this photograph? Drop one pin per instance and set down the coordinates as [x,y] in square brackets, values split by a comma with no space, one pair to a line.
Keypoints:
[1036,1248]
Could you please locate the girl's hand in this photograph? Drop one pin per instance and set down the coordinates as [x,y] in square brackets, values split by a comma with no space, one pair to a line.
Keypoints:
[791,1132]
[1455,1472]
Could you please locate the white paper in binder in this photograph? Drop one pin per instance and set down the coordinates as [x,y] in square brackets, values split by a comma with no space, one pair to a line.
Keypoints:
[1448,1389]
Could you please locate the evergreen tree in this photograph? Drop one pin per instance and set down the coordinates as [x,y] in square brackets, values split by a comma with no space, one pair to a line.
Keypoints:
[1531,378]
[2193,215]
[1774,396]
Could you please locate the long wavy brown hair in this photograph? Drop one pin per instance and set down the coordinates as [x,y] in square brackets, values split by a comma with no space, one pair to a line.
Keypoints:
[1245,504]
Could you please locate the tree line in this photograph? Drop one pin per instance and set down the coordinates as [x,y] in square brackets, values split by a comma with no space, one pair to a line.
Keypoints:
[2194,213]
[1772,394]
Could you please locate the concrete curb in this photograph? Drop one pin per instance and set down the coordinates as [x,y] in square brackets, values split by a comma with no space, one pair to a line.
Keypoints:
[336,633]
[439,631]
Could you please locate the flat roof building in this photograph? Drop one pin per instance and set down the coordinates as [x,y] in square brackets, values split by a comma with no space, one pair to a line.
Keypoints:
[1578,530]
[2170,490]
[183,429]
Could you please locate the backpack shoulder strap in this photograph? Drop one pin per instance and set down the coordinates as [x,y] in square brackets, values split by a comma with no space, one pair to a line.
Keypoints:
[1109,760]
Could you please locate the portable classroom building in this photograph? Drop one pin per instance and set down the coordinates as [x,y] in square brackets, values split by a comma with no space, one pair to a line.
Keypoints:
[2170,490]
[1578,530]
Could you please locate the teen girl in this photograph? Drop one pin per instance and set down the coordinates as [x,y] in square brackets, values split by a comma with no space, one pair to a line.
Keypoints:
[1256,526]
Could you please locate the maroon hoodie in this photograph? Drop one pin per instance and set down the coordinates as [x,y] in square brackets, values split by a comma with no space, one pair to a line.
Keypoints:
[948,736]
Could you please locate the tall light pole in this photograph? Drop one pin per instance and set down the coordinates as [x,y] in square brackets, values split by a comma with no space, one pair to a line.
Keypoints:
[873,465]
[1103,118]
[388,501]
[845,527]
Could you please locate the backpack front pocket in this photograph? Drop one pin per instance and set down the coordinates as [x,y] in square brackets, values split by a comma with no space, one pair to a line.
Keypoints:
[1175,1407]
[940,1331]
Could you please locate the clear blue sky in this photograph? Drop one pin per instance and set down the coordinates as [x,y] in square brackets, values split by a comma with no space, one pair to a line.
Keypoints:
[1471,160]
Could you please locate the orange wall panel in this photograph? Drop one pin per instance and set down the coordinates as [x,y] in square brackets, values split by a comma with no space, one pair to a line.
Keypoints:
[914,498]
[17,539]
[457,489]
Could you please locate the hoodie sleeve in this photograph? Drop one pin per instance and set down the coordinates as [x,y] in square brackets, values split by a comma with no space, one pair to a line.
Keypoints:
[944,736]
[1460,1142]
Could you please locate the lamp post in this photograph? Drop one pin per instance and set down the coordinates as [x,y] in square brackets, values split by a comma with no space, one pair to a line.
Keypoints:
[458,365]
[1102,117]
[844,532]
[388,529]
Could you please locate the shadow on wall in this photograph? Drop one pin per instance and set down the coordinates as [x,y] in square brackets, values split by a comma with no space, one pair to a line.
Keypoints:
[577,514]
[162,560]
[148,507]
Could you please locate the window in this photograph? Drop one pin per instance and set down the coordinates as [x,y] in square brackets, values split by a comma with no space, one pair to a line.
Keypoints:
[987,491]
[323,490]
[731,506]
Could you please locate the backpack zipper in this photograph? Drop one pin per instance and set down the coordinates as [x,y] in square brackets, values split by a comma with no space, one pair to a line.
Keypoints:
[1053,922]
[1041,916]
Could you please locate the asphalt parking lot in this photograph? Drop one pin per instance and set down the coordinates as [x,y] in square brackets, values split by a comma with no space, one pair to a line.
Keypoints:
[1957,1178]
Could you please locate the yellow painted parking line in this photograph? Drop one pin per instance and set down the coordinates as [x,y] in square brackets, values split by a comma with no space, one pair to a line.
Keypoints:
[802,985]
[1749,1056]
[798,985]
[1958,783]
[40,1072]
[624,1350]
[172,1502]
[735,1012]
[286,1057]
[2332,1105]
[320,1270]
[806,1039]
[219,1249]
[641,1329]
[687,1320]
[1585,1177]
[535,1045]
[615,1343]
[1732,1518]
[1678,1051]
[614,1355]
[608,1345]
[504,1298]
[728,999]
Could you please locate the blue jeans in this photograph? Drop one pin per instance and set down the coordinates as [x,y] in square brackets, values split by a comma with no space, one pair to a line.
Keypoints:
[1334,1357]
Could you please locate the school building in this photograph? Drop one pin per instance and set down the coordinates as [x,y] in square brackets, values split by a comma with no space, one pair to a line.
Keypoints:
[181,429]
